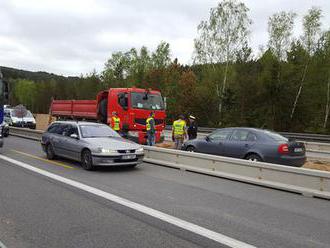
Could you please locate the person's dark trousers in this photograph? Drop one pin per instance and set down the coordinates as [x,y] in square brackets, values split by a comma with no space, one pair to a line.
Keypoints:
[150,139]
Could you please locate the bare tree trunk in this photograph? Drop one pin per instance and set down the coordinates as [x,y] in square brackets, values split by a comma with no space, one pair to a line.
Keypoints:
[327,107]
[223,87]
[299,91]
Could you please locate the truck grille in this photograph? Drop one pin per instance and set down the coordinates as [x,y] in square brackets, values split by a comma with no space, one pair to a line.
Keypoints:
[143,121]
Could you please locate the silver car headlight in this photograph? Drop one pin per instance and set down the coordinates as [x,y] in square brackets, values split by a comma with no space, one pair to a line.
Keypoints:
[107,151]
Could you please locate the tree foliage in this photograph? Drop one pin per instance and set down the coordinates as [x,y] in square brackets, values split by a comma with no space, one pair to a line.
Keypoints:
[280,26]
[221,37]
[253,91]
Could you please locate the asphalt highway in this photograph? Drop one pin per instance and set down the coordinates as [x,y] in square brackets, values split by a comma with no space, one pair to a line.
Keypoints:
[38,211]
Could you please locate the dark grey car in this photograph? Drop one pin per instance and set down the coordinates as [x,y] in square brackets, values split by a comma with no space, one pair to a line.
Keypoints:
[92,144]
[252,144]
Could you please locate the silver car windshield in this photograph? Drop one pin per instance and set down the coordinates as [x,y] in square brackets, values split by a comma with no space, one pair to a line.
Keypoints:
[95,131]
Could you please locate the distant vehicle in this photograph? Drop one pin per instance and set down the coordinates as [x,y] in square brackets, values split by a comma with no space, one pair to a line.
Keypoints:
[133,106]
[92,144]
[5,129]
[15,119]
[4,95]
[252,144]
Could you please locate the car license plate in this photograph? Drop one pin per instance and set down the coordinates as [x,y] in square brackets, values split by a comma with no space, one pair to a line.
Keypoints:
[126,157]
[298,150]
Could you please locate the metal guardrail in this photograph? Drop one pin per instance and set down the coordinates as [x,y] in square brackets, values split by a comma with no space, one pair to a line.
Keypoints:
[299,180]
[300,136]
[26,133]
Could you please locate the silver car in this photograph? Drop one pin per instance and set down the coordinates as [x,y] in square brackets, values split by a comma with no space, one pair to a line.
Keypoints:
[92,144]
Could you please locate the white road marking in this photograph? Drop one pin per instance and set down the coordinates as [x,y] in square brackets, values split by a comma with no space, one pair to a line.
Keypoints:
[2,245]
[218,237]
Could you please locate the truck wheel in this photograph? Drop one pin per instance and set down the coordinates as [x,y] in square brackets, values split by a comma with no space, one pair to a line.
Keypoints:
[50,152]
[86,160]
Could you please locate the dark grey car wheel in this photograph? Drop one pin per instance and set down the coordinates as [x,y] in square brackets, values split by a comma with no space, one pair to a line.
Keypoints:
[190,149]
[50,152]
[254,157]
[87,160]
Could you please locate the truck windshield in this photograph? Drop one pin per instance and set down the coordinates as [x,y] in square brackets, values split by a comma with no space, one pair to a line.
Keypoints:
[144,101]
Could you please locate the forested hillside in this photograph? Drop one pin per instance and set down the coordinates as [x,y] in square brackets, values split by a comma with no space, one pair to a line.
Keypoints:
[285,86]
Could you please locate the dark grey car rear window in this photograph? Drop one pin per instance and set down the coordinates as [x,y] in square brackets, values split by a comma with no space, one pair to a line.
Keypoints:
[275,136]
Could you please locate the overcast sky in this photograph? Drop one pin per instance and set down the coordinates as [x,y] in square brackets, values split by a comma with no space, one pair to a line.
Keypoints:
[71,37]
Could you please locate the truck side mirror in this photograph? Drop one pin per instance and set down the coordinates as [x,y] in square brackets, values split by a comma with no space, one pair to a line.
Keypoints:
[123,100]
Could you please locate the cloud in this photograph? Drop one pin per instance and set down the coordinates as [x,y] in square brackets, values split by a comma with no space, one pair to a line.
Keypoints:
[77,36]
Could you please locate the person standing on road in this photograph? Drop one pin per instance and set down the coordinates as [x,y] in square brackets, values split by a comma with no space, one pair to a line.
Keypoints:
[179,132]
[115,122]
[150,127]
[193,128]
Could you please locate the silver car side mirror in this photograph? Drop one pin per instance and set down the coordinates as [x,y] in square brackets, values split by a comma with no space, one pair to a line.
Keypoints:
[74,136]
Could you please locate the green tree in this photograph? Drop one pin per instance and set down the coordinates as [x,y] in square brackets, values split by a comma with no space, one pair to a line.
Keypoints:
[311,25]
[323,56]
[220,37]
[161,57]
[280,26]
[25,92]
[116,70]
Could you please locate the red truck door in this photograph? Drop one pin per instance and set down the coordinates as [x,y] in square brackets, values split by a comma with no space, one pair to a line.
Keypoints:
[119,101]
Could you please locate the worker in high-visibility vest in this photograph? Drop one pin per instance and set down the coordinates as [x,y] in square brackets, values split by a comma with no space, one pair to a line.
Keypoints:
[150,127]
[115,122]
[179,132]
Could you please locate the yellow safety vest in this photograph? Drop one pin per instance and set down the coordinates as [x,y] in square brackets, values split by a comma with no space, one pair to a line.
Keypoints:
[116,123]
[148,126]
[179,127]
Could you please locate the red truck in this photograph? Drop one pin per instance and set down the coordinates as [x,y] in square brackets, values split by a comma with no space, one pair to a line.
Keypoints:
[133,106]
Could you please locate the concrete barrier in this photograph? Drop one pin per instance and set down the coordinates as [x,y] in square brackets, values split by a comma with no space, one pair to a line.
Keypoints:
[314,146]
[315,151]
[299,180]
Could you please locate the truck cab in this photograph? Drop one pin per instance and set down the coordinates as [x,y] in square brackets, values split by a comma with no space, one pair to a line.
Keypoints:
[133,106]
